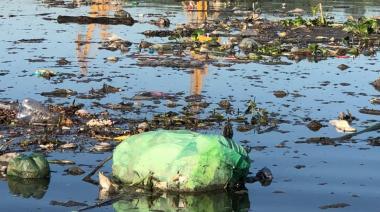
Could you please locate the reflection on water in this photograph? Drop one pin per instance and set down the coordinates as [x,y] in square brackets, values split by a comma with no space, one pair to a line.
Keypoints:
[197,80]
[340,9]
[210,202]
[27,188]
[98,8]
[197,13]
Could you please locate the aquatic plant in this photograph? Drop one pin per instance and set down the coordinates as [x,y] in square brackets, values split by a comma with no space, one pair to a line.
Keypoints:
[296,22]
[362,27]
[299,21]
[196,33]
[273,49]
[321,20]
[316,50]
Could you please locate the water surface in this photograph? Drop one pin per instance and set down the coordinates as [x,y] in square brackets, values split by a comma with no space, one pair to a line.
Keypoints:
[347,173]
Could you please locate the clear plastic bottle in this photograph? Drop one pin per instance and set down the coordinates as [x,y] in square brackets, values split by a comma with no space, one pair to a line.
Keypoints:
[33,112]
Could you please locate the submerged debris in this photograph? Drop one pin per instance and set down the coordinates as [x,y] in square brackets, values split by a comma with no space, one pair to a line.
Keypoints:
[158,33]
[122,14]
[370,111]
[114,43]
[62,162]
[376,84]
[319,140]
[60,93]
[374,141]
[336,205]
[343,67]
[174,63]
[68,204]
[45,73]
[280,94]
[249,44]
[63,62]
[314,125]
[162,22]
[74,170]
[228,131]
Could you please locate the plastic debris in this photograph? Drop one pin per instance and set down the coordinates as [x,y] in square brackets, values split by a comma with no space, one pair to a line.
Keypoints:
[342,126]
[33,112]
[99,123]
[180,160]
[32,166]
[45,73]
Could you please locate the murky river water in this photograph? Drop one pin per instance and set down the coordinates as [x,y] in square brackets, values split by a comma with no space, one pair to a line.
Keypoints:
[346,173]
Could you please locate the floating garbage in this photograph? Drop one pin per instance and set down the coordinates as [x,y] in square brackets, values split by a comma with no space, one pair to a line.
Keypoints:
[68,146]
[33,112]
[99,123]
[32,166]
[45,73]
[153,95]
[376,84]
[342,126]
[107,187]
[181,161]
[102,147]
[63,93]
[375,101]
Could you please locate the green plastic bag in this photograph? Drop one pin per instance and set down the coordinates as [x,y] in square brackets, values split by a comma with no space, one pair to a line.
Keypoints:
[181,160]
[33,166]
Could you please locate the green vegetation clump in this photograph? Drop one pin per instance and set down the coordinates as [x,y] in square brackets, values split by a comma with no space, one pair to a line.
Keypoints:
[299,21]
[361,27]
[320,20]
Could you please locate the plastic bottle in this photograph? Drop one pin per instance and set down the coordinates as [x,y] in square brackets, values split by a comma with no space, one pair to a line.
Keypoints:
[33,112]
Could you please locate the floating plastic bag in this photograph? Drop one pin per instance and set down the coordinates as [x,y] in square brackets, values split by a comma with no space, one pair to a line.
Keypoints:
[33,166]
[180,161]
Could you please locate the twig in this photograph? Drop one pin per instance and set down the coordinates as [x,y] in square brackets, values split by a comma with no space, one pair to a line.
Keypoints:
[6,145]
[101,204]
[349,136]
[341,139]
[87,178]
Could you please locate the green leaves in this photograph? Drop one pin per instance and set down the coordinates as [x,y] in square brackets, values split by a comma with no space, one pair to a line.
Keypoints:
[362,26]
[196,33]
[316,50]
[299,21]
